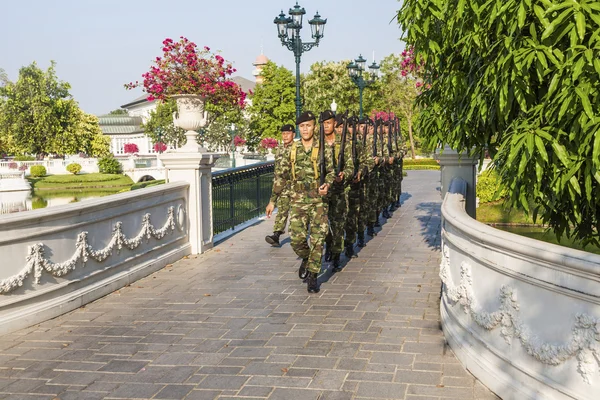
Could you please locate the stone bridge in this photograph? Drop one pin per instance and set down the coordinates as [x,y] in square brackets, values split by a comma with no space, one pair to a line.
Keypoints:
[236,322]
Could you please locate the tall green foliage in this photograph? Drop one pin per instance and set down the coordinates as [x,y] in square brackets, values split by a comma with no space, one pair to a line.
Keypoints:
[273,101]
[161,121]
[38,115]
[521,78]
[328,81]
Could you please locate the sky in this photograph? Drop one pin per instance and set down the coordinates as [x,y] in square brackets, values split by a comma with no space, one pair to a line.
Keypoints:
[99,45]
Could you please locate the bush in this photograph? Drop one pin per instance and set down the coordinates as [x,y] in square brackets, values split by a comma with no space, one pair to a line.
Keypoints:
[37,171]
[489,187]
[420,167]
[81,178]
[109,165]
[420,161]
[74,168]
[24,158]
[141,185]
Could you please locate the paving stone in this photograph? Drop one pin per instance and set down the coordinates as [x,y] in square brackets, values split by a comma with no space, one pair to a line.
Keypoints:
[174,392]
[250,330]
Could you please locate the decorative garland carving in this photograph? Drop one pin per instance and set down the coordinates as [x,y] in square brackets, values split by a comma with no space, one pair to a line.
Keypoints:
[36,262]
[584,343]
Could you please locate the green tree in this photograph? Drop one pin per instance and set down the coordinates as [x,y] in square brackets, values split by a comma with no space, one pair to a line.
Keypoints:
[3,77]
[399,94]
[161,121]
[523,83]
[118,111]
[36,108]
[328,81]
[217,134]
[273,102]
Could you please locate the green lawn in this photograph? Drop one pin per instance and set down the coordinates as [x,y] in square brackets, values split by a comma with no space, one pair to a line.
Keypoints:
[66,182]
[497,213]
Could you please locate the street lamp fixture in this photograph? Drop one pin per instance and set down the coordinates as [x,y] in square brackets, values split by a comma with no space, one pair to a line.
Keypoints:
[355,71]
[288,31]
[334,106]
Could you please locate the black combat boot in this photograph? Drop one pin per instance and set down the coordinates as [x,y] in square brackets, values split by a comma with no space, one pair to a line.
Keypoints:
[327,255]
[361,240]
[302,272]
[336,263]
[349,252]
[386,214]
[393,207]
[273,239]
[371,231]
[312,283]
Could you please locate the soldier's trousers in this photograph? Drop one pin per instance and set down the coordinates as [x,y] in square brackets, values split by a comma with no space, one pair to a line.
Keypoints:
[352,220]
[372,200]
[338,209]
[383,184]
[283,210]
[309,216]
[362,213]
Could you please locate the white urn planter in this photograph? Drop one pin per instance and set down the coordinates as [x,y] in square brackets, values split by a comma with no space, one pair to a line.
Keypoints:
[191,117]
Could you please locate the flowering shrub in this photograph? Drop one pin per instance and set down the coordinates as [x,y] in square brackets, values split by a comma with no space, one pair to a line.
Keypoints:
[268,143]
[13,165]
[183,69]
[23,168]
[382,115]
[238,141]
[131,148]
[412,67]
[160,147]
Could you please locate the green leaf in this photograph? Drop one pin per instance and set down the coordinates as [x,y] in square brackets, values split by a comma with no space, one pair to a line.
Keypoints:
[575,184]
[521,15]
[585,102]
[560,151]
[541,148]
[580,22]
[596,149]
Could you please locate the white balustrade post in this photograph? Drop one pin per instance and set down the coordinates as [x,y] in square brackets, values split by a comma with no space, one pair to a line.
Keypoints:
[452,165]
[194,168]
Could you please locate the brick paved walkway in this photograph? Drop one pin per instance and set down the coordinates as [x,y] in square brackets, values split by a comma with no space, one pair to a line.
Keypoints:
[236,322]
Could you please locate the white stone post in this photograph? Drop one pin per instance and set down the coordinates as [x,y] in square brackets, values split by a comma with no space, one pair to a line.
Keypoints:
[196,169]
[461,165]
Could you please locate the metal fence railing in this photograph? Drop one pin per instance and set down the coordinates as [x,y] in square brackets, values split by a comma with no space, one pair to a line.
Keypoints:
[240,194]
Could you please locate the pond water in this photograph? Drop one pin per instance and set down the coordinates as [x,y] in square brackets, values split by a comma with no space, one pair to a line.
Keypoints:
[11,202]
[545,235]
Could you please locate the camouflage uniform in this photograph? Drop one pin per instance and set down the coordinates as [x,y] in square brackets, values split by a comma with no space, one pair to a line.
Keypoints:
[281,200]
[356,220]
[338,202]
[308,210]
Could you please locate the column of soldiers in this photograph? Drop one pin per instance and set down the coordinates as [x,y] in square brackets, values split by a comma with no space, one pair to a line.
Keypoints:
[334,186]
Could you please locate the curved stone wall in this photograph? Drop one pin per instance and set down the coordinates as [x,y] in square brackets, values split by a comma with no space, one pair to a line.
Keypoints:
[522,315]
[56,259]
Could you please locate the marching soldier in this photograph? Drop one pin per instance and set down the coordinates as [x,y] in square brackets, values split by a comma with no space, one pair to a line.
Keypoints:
[308,207]
[356,220]
[338,203]
[372,198]
[281,200]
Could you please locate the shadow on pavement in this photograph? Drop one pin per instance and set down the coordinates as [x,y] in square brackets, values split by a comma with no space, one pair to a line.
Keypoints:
[430,219]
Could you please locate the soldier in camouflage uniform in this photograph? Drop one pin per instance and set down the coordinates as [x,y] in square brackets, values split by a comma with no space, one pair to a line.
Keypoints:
[338,202]
[308,207]
[356,220]
[389,181]
[373,184]
[281,200]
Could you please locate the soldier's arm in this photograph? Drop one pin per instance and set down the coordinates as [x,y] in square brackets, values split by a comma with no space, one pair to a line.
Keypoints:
[281,175]
[349,163]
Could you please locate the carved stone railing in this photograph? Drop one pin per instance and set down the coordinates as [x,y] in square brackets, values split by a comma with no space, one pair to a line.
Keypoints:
[522,315]
[56,259]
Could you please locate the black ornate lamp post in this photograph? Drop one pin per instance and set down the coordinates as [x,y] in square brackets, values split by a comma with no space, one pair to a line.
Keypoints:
[288,30]
[355,70]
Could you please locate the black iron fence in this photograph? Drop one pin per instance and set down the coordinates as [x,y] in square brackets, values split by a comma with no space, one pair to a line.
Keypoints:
[240,194]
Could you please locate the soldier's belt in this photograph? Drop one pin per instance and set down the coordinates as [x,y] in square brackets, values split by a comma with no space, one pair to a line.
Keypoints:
[304,186]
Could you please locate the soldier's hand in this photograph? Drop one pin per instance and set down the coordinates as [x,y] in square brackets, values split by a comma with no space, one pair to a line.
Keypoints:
[357,178]
[340,177]
[376,160]
[391,161]
[270,208]
[323,189]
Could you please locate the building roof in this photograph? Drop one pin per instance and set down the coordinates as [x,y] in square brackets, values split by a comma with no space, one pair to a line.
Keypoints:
[120,124]
[246,84]
[139,100]
[261,60]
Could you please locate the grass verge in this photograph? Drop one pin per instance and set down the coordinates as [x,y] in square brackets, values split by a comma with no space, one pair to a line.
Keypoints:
[66,182]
